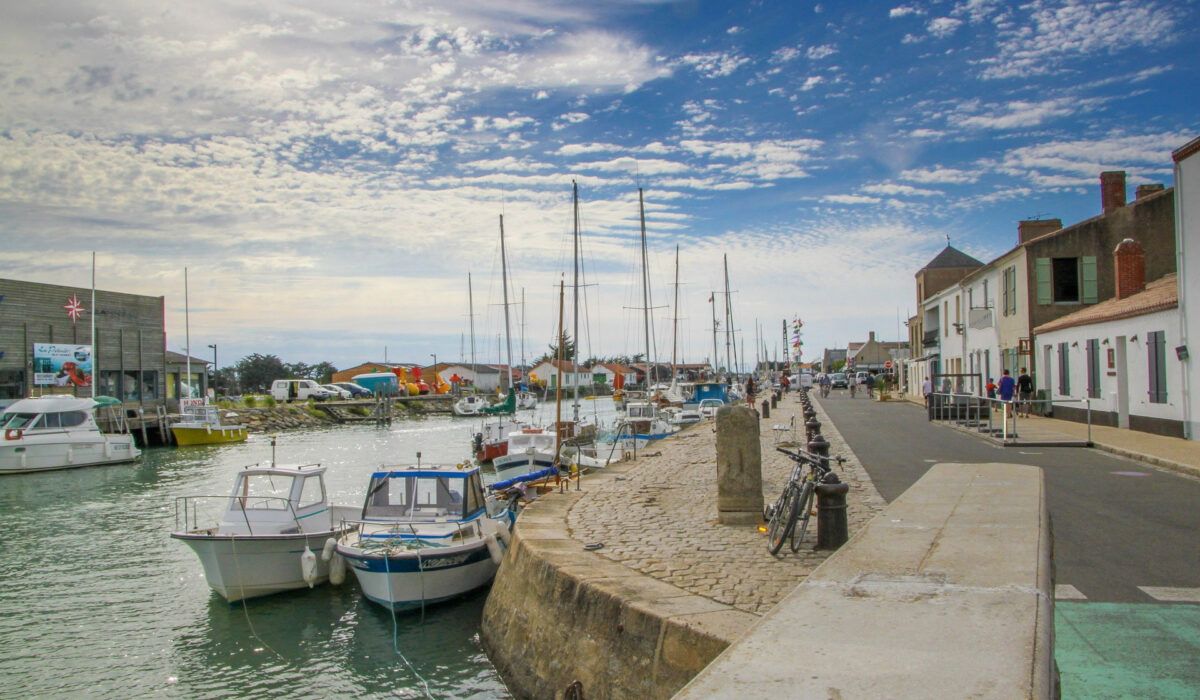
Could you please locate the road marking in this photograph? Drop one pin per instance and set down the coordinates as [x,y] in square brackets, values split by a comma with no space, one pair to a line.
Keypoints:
[1130,473]
[1031,453]
[1172,595]
[933,461]
[1065,591]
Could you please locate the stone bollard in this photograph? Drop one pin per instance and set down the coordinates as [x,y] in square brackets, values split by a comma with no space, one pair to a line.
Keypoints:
[833,527]
[766,409]
[739,466]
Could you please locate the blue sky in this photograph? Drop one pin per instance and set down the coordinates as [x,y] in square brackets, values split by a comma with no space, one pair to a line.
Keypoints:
[330,173]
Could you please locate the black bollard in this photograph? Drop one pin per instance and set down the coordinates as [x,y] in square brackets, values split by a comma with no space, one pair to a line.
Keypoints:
[819,446]
[833,527]
[811,427]
[774,400]
[766,409]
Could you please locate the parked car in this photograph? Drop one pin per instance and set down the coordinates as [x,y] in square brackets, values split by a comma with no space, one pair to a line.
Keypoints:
[299,390]
[838,380]
[354,389]
[338,392]
[861,377]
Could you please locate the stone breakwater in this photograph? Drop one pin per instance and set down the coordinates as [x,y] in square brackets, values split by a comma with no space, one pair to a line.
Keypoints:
[631,586]
[294,416]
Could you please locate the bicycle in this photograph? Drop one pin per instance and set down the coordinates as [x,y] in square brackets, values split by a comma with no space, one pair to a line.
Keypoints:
[824,391]
[788,517]
[852,388]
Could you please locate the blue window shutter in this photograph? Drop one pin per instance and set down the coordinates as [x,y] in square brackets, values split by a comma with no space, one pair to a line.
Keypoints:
[1042,270]
[1087,278]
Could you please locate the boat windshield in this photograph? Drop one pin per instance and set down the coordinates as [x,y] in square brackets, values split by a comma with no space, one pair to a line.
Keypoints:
[422,497]
[19,421]
[263,492]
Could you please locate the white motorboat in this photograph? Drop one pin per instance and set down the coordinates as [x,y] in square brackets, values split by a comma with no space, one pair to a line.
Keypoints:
[646,421]
[469,405]
[684,415]
[59,432]
[272,535]
[424,535]
[526,400]
[708,407]
[529,450]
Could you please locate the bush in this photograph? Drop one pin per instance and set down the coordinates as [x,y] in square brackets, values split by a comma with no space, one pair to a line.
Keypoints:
[269,401]
[315,412]
[249,400]
[362,411]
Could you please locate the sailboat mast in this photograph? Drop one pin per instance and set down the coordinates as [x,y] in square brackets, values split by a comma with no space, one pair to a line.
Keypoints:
[728,321]
[645,287]
[575,298]
[504,282]
[523,363]
[558,387]
[95,349]
[716,361]
[471,316]
[675,325]
[187,335]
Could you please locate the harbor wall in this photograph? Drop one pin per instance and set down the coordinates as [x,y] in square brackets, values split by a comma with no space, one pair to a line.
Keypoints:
[558,614]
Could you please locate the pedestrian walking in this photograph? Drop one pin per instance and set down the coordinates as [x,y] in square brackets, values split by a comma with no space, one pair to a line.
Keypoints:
[1008,387]
[927,390]
[991,388]
[1025,392]
[750,392]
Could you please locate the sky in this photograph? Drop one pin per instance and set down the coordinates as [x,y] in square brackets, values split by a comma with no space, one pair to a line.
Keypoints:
[330,174]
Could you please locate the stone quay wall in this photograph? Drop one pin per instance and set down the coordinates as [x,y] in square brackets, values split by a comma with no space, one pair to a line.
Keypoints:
[631,586]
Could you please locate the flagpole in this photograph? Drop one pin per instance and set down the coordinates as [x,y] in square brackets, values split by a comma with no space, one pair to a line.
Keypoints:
[93,330]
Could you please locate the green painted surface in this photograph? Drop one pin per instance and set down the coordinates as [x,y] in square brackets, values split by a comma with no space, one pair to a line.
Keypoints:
[1117,650]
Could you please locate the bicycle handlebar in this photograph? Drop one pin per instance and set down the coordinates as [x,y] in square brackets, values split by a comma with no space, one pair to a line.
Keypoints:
[804,456]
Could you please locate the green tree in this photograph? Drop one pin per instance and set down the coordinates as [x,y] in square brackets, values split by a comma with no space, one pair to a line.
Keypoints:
[322,372]
[568,347]
[256,372]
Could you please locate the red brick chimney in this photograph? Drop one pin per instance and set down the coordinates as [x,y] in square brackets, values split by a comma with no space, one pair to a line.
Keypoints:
[1028,230]
[1112,190]
[1129,262]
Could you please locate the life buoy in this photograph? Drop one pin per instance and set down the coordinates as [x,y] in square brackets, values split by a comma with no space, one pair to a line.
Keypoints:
[13,434]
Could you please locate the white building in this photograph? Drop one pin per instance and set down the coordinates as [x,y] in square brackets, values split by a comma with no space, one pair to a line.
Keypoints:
[484,378]
[606,373]
[1187,248]
[568,373]
[1120,355]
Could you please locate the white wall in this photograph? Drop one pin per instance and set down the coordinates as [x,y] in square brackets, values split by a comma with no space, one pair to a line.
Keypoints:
[1187,245]
[1136,366]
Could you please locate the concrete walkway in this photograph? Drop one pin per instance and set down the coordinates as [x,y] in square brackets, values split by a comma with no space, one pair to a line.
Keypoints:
[661,518]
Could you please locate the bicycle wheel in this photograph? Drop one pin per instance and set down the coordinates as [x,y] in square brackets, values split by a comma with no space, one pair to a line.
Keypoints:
[783,519]
[804,512]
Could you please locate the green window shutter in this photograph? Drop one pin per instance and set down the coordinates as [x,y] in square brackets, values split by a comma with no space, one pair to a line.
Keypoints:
[1087,279]
[1042,269]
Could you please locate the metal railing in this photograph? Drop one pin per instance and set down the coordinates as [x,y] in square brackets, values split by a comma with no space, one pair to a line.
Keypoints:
[995,417]
[187,511]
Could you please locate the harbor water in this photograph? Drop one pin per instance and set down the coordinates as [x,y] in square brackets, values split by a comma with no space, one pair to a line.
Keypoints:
[98,601]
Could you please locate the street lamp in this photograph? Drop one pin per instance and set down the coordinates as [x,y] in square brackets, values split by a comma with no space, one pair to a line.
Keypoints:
[433,382]
[214,374]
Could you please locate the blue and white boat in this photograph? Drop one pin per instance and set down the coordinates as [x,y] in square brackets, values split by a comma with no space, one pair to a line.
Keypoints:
[425,536]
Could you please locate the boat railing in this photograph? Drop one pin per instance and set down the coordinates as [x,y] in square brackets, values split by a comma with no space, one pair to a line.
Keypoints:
[188,509]
[370,537]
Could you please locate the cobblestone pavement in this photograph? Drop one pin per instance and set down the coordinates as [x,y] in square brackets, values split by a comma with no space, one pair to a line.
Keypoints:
[661,518]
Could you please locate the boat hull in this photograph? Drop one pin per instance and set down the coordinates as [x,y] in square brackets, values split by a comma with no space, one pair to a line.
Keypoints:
[244,567]
[489,452]
[209,436]
[405,581]
[31,454]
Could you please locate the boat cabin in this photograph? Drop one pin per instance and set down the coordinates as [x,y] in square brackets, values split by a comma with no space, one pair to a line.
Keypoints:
[424,495]
[48,414]
[277,500]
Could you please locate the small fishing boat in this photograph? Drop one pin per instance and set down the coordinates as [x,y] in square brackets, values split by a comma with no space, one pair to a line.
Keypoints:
[529,450]
[60,432]
[424,536]
[684,415]
[492,439]
[526,400]
[200,424]
[276,533]
[469,405]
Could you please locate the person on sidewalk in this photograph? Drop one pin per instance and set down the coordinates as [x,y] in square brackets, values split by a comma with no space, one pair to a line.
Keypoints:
[1025,392]
[1008,387]
[991,388]
[927,390]
[750,392]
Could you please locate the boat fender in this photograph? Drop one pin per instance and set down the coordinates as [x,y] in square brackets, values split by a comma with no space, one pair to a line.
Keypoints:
[337,569]
[330,546]
[494,548]
[504,534]
[308,566]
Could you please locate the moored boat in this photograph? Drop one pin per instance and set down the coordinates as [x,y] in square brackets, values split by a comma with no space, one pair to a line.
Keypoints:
[200,424]
[273,533]
[60,432]
[469,405]
[424,536]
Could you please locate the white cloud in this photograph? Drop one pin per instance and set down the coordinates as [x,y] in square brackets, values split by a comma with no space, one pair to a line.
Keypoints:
[892,189]
[942,27]
[904,11]
[786,54]
[934,175]
[811,82]
[565,120]
[714,65]
[734,30]
[1020,113]
[816,53]
[849,199]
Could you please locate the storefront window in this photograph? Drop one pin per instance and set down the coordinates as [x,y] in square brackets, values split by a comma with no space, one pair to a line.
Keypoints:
[172,385]
[12,384]
[131,386]
[149,384]
[110,383]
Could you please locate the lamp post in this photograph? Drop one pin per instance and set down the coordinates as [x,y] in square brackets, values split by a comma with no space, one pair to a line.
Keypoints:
[214,374]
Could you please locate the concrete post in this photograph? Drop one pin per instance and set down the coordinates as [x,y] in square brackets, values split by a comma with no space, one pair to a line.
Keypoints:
[775,400]
[766,409]
[739,466]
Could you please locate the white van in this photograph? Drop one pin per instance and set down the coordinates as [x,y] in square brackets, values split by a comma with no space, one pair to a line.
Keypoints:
[298,390]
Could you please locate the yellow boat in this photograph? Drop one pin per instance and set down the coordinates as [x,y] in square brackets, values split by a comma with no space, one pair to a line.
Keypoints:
[201,425]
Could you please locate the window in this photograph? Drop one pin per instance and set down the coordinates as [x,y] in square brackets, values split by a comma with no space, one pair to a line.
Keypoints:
[172,385]
[149,384]
[12,384]
[946,318]
[1066,280]
[110,383]
[1009,280]
[130,386]
[312,492]
[1156,362]
[1064,369]
[986,303]
[1093,368]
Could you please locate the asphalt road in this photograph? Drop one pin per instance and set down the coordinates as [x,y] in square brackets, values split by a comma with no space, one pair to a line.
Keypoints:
[1118,524]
